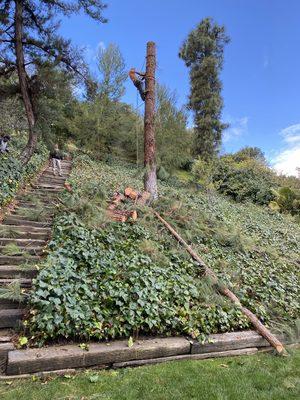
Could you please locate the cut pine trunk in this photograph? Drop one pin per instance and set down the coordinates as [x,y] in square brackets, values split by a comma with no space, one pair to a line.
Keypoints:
[272,339]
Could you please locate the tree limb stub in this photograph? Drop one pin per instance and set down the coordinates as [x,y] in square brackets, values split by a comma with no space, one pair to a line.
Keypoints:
[261,329]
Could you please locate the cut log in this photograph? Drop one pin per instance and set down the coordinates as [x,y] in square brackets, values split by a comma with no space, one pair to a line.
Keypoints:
[134,215]
[225,291]
[132,194]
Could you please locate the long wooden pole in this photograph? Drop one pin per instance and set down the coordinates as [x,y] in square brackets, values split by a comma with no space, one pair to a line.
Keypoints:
[150,183]
[272,339]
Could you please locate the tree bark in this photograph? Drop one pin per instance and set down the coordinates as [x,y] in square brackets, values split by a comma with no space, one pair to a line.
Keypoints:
[24,86]
[272,339]
[150,183]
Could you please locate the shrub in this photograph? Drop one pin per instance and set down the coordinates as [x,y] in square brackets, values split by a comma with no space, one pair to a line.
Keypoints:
[287,200]
[247,180]
[239,176]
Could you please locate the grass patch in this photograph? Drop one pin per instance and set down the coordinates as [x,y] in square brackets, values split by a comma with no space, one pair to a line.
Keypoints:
[259,377]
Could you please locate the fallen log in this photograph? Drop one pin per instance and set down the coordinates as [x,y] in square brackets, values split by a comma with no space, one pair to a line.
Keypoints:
[272,339]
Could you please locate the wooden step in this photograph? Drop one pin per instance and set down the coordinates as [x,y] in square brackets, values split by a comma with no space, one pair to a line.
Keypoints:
[42,196]
[51,184]
[11,318]
[19,221]
[6,335]
[65,171]
[27,204]
[23,242]
[17,260]
[47,172]
[34,250]
[24,212]
[8,304]
[24,282]
[47,189]
[15,271]
[52,178]
[26,232]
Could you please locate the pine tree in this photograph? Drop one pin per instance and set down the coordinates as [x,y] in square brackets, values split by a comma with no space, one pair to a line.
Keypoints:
[29,39]
[202,53]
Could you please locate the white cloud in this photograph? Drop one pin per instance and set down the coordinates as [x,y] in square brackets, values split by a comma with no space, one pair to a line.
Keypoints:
[237,128]
[288,159]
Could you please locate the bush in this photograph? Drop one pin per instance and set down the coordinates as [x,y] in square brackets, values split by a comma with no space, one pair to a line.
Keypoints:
[241,177]
[247,180]
[287,200]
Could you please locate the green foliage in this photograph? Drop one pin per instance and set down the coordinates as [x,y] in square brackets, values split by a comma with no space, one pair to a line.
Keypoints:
[100,284]
[12,291]
[286,200]
[173,140]
[105,127]
[242,176]
[112,68]
[12,249]
[121,279]
[12,173]
[202,53]
[244,180]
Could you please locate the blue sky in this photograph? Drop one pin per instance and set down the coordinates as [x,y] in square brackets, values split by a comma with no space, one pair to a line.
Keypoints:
[261,78]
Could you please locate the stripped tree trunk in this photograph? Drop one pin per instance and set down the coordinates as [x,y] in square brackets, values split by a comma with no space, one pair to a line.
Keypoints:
[150,183]
[272,339]
[24,86]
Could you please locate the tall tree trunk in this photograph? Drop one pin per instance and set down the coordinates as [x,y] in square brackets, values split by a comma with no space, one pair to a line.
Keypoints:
[24,86]
[150,183]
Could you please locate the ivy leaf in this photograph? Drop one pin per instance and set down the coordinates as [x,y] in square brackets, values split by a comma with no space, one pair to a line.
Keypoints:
[23,341]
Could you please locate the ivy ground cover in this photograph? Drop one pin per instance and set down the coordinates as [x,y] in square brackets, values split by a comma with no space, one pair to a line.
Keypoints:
[106,280]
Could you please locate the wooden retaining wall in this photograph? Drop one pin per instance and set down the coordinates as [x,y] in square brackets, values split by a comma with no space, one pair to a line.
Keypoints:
[118,354]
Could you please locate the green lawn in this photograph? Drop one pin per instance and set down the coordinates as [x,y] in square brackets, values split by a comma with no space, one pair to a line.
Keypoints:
[263,376]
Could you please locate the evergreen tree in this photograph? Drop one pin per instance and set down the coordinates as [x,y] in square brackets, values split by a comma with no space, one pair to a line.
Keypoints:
[202,53]
[29,39]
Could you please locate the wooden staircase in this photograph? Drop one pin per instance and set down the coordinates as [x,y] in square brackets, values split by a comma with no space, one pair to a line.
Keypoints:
[22,242]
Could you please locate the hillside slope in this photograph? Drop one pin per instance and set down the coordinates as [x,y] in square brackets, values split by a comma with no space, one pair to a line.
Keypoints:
[137,277]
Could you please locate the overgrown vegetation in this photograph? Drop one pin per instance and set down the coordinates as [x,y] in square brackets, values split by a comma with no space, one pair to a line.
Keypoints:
[12,173]
[245,176]
[107,280]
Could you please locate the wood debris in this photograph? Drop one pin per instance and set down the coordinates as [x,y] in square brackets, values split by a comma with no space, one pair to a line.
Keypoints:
[116,214]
